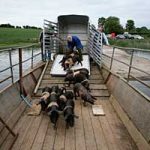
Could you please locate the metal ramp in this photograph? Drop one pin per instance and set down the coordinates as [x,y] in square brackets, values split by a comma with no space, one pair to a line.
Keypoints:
[97,86]
[57,69]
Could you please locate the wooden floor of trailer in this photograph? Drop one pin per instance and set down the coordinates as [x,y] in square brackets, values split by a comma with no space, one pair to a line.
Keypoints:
[89,133]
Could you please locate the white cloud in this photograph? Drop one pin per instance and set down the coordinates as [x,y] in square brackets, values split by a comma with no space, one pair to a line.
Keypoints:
[19,12]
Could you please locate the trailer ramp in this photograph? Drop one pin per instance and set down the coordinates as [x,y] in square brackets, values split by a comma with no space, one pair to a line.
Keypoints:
[89,132]
[57,69]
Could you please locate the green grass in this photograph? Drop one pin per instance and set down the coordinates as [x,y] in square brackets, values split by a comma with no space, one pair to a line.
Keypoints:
[11,37]
[132,43]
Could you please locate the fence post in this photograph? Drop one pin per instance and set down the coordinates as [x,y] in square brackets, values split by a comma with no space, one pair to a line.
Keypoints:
[20,71]
[11,69]
[130,65]
[112,58]
[32,59]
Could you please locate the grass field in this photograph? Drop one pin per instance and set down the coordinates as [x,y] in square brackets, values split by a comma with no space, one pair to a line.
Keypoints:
[132,43]
[10,37]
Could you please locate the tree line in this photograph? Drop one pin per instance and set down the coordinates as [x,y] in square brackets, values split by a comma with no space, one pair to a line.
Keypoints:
[21,27]
[112,24]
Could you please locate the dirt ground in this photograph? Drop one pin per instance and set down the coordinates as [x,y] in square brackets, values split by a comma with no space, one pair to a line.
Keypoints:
[119,68]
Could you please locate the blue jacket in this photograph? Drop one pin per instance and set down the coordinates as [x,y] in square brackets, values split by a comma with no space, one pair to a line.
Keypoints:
[75,43]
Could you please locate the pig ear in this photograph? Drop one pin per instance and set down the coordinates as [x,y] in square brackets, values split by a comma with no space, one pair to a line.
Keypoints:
[50,90]
[93,97]
[60,112]
[49,113]
[66,117]
[63,90]
[43,90]
[41,99]
[75,116]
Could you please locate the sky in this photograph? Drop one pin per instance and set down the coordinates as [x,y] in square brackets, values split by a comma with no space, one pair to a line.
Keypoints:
[33,12]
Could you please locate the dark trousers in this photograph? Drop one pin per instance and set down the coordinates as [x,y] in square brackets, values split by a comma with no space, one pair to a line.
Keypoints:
[80,53]
[42,52]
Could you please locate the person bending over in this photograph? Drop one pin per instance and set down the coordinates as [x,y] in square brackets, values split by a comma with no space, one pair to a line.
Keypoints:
[74,41]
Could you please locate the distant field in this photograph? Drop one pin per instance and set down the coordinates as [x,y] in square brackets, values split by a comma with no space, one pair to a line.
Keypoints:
[10,37]
[132,43]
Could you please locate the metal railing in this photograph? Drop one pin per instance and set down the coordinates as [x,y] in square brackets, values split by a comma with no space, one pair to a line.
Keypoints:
[131,52]
[19,63]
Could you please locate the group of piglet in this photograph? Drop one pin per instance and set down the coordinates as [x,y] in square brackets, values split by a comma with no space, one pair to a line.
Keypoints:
[80,79]
[56,101]
[70,59]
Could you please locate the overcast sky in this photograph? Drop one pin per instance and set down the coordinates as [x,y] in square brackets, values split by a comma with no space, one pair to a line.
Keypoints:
[32,12]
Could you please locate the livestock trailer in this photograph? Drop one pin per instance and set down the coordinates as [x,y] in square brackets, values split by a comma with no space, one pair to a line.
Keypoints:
[77,25]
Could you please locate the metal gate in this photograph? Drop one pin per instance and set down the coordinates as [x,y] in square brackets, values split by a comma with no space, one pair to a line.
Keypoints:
[50,42]
[94,47]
